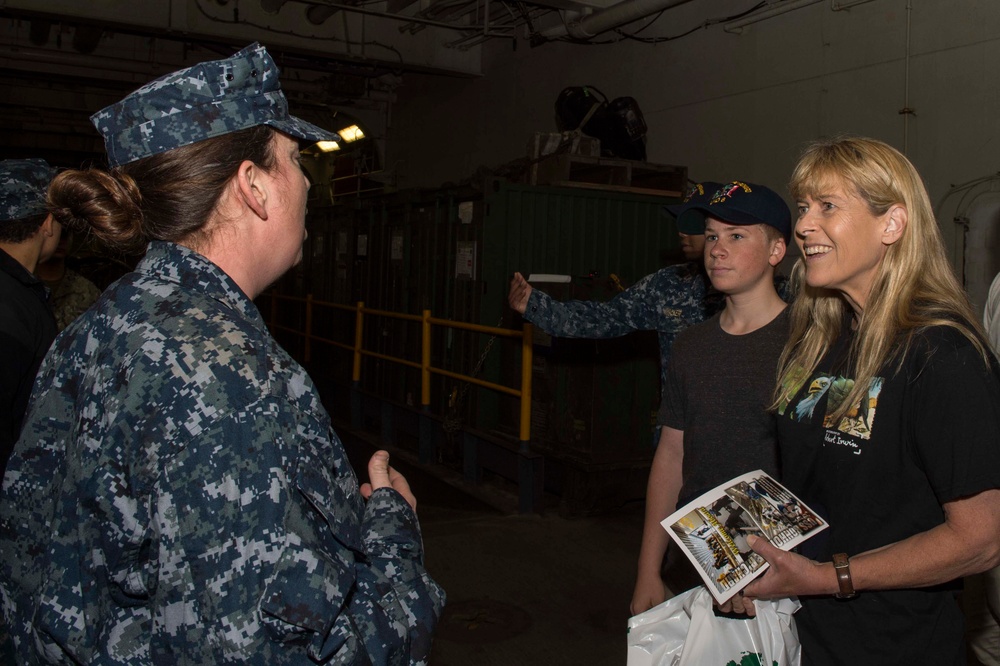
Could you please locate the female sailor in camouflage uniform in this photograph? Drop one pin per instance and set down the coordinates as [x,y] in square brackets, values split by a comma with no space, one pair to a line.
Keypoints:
[178,494]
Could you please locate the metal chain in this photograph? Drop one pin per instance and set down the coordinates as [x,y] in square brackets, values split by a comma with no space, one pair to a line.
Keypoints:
[452,421]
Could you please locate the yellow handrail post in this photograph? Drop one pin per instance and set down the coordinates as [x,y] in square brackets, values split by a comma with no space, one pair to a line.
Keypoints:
[426,443]
[358,330]
[526,357]
[309,327]
[425,361]
[357,409]
[497,455]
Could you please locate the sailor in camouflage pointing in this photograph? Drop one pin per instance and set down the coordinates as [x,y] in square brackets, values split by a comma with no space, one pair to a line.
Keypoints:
[668,301]
[178,494]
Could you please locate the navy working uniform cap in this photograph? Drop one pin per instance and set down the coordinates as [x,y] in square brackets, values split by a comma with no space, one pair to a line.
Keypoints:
[208,100]
[23,186]
[740,203]
[690,219]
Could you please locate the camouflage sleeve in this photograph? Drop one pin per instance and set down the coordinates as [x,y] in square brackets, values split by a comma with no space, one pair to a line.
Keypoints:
[391,535]
[360,587]
[244,546]
[635,309]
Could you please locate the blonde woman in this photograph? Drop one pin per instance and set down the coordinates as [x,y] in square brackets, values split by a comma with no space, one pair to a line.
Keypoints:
[888,419]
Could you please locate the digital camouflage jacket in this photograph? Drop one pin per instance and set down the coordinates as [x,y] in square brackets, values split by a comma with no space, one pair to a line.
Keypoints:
[179,497]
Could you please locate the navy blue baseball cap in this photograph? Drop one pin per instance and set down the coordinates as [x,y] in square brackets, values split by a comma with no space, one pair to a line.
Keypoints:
[742,203]
[207,100]
[690,219]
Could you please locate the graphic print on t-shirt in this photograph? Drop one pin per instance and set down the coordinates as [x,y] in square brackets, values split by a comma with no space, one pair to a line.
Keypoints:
[857,421]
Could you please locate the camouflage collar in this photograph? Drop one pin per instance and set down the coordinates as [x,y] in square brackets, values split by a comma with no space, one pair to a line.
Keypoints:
[182,265]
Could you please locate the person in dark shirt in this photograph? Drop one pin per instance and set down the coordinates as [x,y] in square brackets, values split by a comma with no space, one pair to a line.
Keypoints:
[720,378]
[888,409]
[28,235]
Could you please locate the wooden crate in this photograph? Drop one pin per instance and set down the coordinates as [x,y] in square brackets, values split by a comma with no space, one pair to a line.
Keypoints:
[572,143]
[610,174]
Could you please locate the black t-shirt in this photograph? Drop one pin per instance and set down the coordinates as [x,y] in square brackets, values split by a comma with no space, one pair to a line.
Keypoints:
[27,328]
[719,387]
[926,435]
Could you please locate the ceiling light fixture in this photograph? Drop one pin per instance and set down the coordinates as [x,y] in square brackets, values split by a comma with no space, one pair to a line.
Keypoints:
[328,146]
[352,133]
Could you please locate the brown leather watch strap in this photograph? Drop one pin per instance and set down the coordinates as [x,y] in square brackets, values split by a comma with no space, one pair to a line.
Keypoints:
[842,567]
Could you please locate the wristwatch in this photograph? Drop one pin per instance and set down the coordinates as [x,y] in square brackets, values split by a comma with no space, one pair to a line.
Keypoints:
[842,567]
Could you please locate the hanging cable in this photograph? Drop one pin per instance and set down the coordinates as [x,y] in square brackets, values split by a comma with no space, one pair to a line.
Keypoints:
[658,40]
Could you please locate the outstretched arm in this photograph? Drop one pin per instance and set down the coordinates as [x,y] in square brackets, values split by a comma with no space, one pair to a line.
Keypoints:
[655,303]
[520,292]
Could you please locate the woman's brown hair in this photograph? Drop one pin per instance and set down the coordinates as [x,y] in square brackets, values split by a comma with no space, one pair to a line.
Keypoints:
[169,196]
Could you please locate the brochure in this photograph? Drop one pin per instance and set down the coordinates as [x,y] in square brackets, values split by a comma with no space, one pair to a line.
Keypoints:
[712,530]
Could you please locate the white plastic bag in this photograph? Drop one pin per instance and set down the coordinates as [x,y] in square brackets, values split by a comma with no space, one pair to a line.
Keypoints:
[684,631]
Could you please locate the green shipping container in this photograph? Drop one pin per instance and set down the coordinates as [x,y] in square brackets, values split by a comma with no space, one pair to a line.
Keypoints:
[453,251]
[593,401]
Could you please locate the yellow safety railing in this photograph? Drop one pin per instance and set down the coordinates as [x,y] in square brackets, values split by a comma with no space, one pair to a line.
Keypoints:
[424,364]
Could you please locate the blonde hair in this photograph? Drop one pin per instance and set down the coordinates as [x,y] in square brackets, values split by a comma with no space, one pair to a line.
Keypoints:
[914,285]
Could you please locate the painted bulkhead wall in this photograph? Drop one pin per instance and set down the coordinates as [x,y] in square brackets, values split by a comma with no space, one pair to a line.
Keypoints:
[739,105]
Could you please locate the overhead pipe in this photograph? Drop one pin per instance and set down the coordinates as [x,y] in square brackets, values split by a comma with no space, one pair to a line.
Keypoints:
[127,67]
[357,9]
[840,5]
[501,28]
[594,24]
[505,31]
[498,30]
[452,11]
[776,10]
[68,59]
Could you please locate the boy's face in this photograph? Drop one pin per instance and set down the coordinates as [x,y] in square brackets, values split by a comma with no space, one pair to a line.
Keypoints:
[740,258]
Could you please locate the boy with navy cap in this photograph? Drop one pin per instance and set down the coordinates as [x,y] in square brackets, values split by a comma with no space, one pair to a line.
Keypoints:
[178,494]
[739,203]
[28,235]
[716,423]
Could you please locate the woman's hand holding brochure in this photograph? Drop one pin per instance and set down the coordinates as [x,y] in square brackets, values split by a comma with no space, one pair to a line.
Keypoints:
[716,530]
